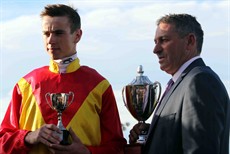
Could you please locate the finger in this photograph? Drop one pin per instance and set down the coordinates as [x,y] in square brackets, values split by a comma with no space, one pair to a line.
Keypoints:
[144,126]
[131,140]
[54,137]
[50,135]
[45,142]
[133,136]
[133,133]
[136,129]
[53,127]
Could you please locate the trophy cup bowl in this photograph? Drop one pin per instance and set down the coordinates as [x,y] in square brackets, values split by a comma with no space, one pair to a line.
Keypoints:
[59,102]
[140,98]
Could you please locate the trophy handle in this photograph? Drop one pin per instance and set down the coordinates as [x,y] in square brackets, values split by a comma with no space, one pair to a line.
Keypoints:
[47,100]
[70,94]
[123,89]
[159,94]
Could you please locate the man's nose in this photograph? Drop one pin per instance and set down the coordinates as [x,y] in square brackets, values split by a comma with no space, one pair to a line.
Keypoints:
[51,38]
[157,48]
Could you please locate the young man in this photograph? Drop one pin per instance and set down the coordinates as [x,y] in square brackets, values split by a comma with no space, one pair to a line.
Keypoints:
[92,119]
[193,117]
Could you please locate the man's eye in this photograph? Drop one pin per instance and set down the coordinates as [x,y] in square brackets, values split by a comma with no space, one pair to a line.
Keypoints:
[163,40]
[58,33]
[46,33]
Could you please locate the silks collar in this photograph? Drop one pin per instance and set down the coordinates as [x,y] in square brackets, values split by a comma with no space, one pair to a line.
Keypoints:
[72,67]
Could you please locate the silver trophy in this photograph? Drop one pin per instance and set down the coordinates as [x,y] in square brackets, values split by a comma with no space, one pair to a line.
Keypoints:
[59,102]
[141,97]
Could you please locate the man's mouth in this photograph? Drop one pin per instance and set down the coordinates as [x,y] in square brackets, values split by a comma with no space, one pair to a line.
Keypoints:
[161,58]
[52,49]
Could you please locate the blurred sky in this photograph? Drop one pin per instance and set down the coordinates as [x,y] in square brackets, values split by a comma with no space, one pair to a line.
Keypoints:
[117,38]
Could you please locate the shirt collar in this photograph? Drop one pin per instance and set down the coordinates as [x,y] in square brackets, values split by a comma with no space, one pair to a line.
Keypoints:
[72,67]
[183,67]
[63,64]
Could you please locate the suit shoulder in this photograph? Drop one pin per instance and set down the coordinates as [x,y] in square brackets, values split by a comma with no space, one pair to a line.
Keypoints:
[203,71]
[203,78]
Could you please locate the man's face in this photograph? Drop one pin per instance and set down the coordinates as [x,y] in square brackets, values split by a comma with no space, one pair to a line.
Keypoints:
[57,37]
[170,48]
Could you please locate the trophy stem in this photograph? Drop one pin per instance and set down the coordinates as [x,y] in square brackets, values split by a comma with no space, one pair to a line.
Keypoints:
[60,124]
[65,132]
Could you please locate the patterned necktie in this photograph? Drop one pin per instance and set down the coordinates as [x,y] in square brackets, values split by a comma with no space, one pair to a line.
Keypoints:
[169,85]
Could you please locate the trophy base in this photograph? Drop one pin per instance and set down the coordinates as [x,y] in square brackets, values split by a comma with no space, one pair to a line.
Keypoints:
[65,136]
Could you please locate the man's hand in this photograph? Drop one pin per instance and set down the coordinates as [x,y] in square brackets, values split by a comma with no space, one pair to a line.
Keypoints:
[136,131]
[76,147]
[47,134]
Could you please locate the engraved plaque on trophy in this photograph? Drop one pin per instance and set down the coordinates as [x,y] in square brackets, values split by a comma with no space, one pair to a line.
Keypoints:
[141,97]
[59,102]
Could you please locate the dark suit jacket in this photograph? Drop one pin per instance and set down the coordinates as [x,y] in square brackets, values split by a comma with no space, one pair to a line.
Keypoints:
[193,117]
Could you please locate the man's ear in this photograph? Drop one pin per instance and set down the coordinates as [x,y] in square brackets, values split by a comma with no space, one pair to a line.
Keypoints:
[78,34]
[191,41]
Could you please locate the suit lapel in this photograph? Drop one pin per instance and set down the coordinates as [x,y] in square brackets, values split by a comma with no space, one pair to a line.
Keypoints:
[162,104]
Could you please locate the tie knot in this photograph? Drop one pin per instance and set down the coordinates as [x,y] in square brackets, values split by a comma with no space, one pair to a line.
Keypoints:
[169,84]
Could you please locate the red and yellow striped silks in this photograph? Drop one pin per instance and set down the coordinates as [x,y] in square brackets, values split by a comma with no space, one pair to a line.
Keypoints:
[93,114]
